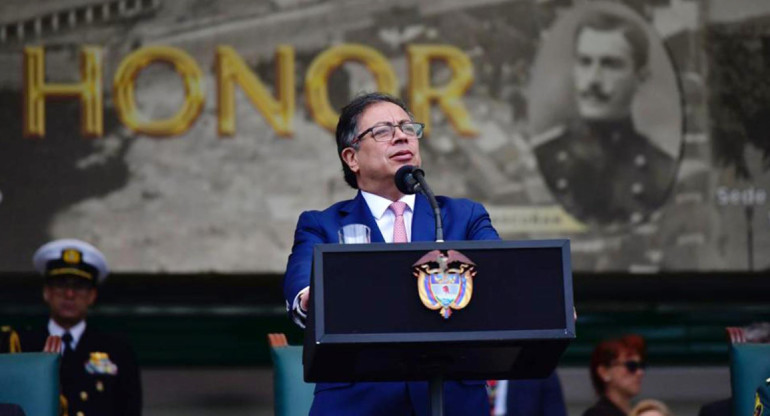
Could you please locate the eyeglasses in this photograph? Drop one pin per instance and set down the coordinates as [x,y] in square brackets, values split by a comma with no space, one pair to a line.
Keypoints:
[387,131]
[632,365]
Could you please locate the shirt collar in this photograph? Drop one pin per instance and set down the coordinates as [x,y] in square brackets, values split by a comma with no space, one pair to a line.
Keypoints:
[76,331]
[379,205]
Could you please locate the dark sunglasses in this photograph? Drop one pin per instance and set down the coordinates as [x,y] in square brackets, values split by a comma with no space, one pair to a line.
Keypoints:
[633,366]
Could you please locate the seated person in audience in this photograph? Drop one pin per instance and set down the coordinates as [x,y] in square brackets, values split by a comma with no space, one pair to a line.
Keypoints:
[617,370]
[650,407]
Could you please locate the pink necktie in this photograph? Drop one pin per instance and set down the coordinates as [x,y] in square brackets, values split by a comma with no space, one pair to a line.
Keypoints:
[399,228]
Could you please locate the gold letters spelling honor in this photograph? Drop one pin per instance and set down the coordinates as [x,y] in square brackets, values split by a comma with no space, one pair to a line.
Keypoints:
[231,72]
[445,280]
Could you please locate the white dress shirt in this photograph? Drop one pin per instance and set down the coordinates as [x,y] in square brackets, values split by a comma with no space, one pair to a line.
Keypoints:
[76,332]
[385,217]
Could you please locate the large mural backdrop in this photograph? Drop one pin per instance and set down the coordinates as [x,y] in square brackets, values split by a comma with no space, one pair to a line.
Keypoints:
[187,136]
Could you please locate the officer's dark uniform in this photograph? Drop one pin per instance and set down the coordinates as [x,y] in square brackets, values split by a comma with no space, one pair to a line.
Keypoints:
[604,172]
[100,377]
[91,385]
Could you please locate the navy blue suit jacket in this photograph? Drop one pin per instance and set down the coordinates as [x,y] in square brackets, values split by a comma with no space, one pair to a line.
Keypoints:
[463,219]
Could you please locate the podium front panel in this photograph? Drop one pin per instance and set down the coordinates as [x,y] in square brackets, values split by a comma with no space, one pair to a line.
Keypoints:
[366,310]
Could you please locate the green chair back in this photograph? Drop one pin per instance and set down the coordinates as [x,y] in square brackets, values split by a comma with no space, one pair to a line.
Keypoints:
[293,396]
[31,380]
[749,368]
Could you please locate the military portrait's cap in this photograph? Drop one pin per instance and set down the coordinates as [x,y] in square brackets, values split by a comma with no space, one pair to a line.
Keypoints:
[71,258]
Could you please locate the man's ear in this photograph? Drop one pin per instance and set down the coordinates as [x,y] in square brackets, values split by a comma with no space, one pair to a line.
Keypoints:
[46,294]
[350,157]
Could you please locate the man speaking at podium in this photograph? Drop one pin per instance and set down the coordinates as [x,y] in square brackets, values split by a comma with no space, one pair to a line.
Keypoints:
[376,135]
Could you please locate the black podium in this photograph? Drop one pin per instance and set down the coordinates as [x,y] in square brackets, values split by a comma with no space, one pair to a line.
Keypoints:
[367,321]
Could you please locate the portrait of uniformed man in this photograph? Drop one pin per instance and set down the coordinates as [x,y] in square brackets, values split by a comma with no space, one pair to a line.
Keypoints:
[597,163]
[99,373]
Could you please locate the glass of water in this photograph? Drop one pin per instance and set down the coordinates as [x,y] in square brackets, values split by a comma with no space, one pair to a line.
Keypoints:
[355,234]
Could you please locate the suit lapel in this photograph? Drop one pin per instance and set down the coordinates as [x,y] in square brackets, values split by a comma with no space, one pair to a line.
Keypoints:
[423,223]
[357,212]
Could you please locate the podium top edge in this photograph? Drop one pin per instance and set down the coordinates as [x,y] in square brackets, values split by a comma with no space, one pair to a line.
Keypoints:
[562,243]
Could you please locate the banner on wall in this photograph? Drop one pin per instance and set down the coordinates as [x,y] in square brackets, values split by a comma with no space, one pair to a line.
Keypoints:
[188,136]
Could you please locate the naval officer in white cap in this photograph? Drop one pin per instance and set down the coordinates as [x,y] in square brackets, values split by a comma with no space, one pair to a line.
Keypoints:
[99,374]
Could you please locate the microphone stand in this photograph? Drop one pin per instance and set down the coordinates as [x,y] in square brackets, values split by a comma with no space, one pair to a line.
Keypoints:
[436,382]
[423,188]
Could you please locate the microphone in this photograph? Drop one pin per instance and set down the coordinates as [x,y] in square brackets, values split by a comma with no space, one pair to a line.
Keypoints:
[406,180]
[411,179]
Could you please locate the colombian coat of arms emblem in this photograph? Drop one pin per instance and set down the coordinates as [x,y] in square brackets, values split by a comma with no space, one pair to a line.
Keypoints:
[444,280]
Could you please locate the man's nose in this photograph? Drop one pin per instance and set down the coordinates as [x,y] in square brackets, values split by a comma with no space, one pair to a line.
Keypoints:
[399,135]
[595,74]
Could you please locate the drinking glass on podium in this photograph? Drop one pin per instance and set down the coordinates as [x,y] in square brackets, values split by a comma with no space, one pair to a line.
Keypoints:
[355,234]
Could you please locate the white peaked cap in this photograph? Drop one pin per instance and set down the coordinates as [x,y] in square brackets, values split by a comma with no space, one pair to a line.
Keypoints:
[90,256]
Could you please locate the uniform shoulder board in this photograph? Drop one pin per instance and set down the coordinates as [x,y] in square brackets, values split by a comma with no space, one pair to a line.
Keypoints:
[9,340]
[548,135]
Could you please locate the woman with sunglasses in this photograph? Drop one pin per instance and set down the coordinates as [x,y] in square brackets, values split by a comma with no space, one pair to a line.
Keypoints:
[617,369]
